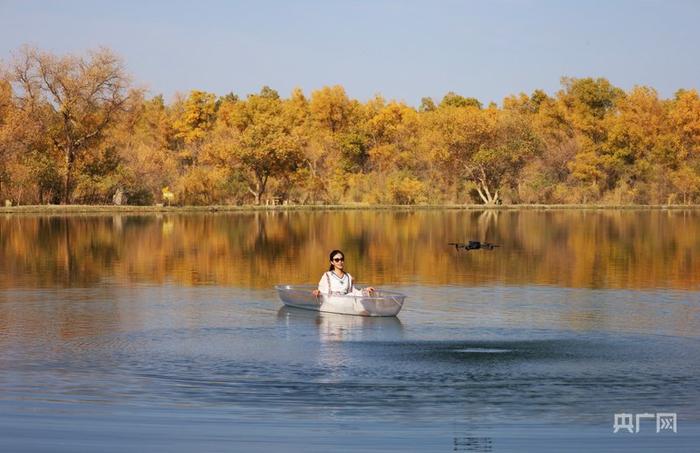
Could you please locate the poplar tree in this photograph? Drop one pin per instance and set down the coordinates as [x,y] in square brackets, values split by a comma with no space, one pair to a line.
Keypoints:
[73,99]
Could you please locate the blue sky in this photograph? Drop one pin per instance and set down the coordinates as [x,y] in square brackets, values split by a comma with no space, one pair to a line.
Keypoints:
[402,49]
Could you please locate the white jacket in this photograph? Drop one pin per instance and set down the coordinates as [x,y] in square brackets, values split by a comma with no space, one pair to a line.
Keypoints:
[331,284]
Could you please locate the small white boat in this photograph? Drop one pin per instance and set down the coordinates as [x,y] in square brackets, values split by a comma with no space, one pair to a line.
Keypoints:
[380,303]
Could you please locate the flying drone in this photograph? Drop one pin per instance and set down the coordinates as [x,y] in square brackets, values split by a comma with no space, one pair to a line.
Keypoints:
[473,245]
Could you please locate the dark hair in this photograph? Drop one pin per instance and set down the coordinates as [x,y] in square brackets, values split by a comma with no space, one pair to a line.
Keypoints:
[330,258]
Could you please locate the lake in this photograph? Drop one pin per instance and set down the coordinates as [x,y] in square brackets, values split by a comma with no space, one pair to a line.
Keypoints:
[162,332]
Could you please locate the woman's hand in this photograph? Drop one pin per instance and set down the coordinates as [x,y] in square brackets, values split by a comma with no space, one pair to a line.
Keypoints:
[316,293]
[369,290]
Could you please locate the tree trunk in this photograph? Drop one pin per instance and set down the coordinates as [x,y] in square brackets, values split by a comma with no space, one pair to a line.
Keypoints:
[259,189]
[478,176]
[68,181]
[485,193]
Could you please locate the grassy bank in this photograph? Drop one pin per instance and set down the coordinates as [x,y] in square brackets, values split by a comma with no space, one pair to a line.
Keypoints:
[78,209]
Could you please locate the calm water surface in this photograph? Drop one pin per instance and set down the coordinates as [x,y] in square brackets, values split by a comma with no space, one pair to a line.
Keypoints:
[163,333]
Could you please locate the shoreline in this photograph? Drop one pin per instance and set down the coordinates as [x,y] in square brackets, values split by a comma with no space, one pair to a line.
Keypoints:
[112,209]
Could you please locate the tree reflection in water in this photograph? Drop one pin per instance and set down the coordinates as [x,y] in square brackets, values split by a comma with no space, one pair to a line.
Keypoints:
[570,248]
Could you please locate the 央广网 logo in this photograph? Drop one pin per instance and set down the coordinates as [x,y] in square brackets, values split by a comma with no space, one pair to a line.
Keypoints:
[665,421]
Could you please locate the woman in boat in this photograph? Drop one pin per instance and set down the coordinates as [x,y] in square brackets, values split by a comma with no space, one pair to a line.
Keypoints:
[338,282]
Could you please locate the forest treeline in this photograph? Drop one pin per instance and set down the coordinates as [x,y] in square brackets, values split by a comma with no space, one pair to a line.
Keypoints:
[75,129]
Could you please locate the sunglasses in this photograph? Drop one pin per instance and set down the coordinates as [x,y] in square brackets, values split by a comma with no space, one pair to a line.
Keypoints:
[338,260]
